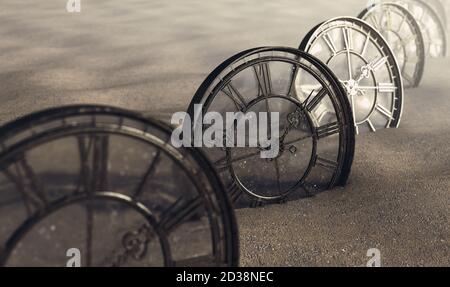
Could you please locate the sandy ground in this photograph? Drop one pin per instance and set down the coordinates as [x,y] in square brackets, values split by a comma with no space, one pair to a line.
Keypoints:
[151,55]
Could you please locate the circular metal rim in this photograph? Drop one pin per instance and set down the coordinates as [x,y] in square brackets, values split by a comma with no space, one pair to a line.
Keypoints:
[439,23]
[227,219]
[347,153]
[306,41]
[55,206]
[225,80]
[437,7]
[305,175]
[418,74]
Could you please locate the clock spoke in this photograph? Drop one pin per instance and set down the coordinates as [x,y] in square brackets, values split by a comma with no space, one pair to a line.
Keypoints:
[330,43]
[384,111]
[348,41]
[235,96]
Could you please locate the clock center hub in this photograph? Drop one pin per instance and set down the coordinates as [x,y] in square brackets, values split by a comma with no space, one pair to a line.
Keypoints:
[352,87]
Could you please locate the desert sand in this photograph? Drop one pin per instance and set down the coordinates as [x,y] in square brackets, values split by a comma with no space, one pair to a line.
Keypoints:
[151,55]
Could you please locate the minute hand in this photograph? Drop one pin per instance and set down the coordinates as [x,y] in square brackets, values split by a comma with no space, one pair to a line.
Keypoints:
[371,67]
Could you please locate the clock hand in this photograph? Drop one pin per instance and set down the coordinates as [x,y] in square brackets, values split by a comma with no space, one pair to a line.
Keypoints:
[370,67]
[293,123]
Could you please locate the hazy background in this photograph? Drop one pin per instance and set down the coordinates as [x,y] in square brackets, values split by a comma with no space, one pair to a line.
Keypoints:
[139,54]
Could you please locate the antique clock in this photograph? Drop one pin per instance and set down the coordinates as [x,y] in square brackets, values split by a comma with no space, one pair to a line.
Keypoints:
[107,192]
[315,149]
[403,34]
[366,67]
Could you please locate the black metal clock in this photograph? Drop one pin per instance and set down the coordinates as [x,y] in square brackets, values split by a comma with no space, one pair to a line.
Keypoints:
[108,183]
[315,149]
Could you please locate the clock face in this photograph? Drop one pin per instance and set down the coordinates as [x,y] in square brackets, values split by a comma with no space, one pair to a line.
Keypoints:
[315,147]
[403,35]
[437,7]
[107,192]
[366,67]
[433,29]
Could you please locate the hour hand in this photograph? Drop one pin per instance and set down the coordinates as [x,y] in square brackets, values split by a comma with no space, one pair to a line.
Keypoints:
[371,67]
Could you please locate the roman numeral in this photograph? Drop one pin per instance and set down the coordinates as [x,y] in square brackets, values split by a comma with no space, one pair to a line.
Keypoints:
[93,152]
[401,24]
[375,22]
[327,164]
[384,111]
[371,126]
[366,44]
[311,103]
[378,63]
[348,43]
[262,73]
[294,73]
[409,39]
[348,39]
[386,88]
[234,192]
[22,175]
[330,43]
[327,130]
[148,174]
[408,78]
[412,60]
[235,96]
[181,211]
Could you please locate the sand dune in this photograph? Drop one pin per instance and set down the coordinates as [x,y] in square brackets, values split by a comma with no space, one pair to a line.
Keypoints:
[151,55]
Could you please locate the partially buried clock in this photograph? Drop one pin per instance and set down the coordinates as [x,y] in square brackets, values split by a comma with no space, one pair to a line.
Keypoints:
[365,65]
